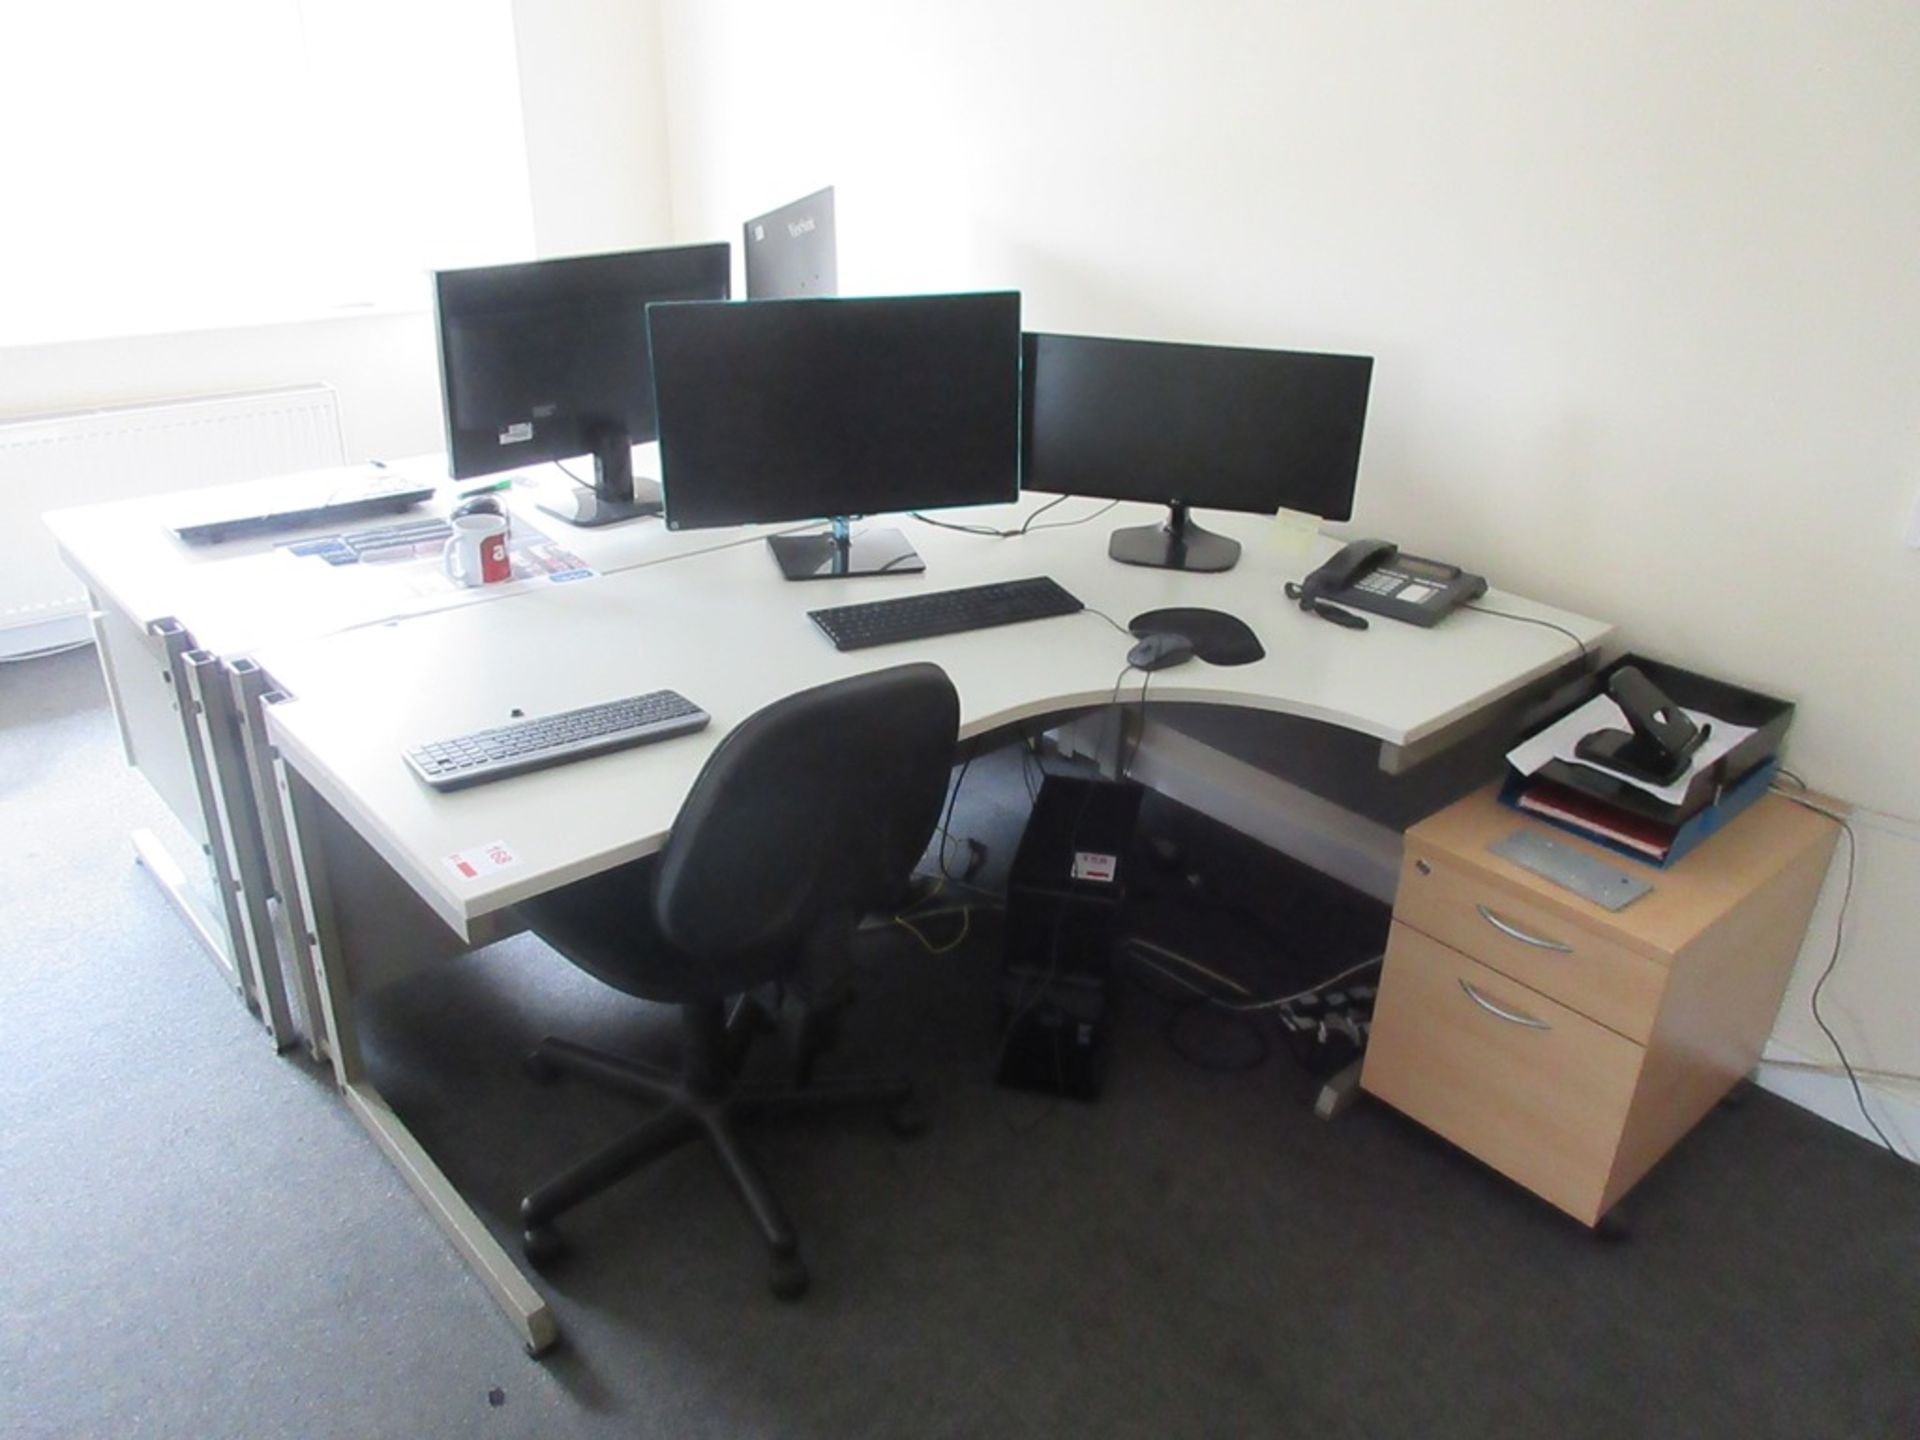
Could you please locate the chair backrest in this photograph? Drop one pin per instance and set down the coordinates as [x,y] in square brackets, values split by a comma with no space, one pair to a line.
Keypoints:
[814,808]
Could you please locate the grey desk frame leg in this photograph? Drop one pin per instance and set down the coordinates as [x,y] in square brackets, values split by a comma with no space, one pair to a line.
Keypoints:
[253,692]
[218,934]
[312,911]
[235,832]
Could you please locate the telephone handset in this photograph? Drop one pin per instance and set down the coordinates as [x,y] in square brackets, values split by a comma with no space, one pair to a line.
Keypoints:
[1374,575]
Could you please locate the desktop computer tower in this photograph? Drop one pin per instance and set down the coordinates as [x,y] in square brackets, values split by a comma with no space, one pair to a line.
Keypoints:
[1064,897]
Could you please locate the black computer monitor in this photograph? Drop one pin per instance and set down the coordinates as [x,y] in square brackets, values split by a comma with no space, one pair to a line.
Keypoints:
[790,251]
[776,410]
[1207,425]
[548,360]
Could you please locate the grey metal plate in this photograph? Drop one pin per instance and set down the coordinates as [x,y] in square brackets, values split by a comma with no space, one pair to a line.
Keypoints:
[1605,885]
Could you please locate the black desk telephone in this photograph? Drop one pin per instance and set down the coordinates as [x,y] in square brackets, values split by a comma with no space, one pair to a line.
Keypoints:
[1374,575]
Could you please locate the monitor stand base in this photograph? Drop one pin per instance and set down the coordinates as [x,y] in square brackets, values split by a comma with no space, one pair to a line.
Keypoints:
[836,554]
[1176,545]
[589,509]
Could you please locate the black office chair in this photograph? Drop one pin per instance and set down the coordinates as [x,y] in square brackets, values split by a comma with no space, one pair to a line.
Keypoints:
[808,817]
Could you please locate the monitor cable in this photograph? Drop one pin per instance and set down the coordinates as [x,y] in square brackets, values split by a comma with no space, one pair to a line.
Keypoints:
[995,533]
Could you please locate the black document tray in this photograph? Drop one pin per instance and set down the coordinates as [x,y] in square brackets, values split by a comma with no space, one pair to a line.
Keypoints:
[1766,715]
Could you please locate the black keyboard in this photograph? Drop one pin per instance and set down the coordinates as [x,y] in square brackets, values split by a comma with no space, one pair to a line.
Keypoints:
[545,740]
[391,498]
[943,612]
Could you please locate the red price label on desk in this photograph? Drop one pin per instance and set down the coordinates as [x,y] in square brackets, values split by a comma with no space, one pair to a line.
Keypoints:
[481,860]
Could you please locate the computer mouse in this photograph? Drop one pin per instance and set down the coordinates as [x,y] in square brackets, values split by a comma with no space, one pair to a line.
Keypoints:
[1158,652]
[479,505]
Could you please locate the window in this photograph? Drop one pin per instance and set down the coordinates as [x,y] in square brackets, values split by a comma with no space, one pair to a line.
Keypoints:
[214,162]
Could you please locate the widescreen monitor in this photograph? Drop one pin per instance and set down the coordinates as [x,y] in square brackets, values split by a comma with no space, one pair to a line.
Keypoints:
[790,251]
[1214,426]
[782,410]
[547,360]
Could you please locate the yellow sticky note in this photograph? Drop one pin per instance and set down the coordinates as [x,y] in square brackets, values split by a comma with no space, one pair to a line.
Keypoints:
[1292,534]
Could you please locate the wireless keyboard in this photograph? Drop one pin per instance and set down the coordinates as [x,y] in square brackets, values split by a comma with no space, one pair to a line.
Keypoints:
[389,497]
[545,740]
[943,612]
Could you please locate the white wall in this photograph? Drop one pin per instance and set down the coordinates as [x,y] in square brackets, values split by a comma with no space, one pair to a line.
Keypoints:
[1640,281]
[592,95]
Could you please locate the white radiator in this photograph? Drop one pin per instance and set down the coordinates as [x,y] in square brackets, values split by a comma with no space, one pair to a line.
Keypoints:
[48,462]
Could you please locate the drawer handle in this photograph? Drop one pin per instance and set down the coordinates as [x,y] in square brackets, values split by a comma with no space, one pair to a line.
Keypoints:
[1512,1016]
[1505,928]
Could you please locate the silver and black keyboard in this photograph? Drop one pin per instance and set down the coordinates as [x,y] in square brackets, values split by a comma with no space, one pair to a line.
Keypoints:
[543,740]
[943,612]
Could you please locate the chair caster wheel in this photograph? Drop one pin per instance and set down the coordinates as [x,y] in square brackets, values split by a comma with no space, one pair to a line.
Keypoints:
[540,1069]
[787,1277]
[542,1244]
[906,1119]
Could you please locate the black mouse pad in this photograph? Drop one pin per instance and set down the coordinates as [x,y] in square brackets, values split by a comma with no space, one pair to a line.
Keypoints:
[1218,638]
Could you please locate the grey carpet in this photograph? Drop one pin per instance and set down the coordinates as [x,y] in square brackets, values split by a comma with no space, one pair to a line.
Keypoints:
[196,1239]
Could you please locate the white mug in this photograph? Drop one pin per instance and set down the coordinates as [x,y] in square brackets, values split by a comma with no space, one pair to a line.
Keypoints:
[477,553]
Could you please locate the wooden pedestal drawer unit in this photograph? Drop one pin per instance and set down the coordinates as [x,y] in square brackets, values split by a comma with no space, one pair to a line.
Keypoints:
[1568,1046]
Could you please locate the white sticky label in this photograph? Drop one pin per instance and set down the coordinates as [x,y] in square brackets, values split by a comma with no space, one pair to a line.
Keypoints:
[481,860]
[1088,865]
[1292,534]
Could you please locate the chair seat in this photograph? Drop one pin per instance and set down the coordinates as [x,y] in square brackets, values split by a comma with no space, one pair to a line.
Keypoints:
[606,925]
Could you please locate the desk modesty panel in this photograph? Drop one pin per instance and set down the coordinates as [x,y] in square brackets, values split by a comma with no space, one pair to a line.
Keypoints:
[728,632]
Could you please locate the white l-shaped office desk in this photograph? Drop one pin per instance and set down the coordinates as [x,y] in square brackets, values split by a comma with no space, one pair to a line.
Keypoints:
[367,851]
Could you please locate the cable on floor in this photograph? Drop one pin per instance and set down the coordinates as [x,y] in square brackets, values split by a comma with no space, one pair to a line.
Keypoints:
[977,852]
[1222,996]
[1144,951]
[1833,961]
[925,909]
